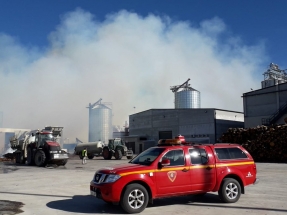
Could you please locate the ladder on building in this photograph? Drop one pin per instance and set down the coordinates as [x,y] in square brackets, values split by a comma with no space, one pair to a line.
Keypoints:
[275,116]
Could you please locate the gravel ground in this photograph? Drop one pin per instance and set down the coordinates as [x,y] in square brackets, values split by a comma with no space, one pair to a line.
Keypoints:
[65,190]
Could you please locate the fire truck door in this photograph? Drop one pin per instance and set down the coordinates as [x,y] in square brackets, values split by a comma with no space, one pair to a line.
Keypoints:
[202,172]
[175,178]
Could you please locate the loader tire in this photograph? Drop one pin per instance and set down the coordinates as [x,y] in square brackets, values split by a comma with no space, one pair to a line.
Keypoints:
[107,155]
[17,155]
[30,159]
[22,158]
[118,154]
[40,158]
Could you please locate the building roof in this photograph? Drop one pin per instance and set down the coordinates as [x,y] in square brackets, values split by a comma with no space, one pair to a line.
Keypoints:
[185,109]
[265,90]
[13,129]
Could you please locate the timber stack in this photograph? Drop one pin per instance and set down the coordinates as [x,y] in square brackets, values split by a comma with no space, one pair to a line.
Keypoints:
[264,143]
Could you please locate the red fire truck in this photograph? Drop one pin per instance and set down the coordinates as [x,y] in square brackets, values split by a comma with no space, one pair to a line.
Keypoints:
[174,169]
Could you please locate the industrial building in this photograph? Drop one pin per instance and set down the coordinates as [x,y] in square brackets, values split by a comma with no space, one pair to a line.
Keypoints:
[204,125]
[100,122]
[267,105]
[200,125]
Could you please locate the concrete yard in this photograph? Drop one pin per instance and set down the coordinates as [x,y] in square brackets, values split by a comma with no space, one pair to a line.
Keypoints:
[65,190]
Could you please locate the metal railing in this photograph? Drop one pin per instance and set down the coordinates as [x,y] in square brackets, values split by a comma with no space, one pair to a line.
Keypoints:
[275,116]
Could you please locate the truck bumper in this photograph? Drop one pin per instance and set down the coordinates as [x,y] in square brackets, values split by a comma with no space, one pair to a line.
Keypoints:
[59,156]
[108,192]
[256,181]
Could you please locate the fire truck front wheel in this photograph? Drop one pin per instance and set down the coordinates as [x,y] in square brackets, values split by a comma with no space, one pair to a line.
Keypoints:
[40,158]
[134,199]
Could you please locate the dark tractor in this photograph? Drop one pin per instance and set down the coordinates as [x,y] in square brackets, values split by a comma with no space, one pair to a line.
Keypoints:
[45,150]
[116,148]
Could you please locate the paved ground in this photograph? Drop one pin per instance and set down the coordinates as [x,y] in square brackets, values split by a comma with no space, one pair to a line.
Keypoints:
[65,190]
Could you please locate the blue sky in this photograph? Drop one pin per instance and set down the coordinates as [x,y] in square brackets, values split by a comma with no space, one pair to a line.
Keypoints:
[67,54]
[253,20]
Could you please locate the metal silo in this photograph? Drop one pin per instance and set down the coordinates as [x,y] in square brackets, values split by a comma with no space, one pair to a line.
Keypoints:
[185,96]
[100,122]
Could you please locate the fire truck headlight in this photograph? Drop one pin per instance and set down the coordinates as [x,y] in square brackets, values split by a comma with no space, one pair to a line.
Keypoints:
[112,178]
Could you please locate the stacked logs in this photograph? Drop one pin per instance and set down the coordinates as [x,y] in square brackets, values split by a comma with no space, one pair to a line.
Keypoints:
[4,159]
[264,143]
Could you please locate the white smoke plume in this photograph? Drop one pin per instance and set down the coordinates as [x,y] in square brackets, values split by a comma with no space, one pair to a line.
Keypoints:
[128,60]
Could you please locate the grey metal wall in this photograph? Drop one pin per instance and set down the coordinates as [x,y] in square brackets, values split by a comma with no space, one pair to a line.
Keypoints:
[100,124]
[192,123]
[196,125]
[223,125]
[187,99]
[263,103]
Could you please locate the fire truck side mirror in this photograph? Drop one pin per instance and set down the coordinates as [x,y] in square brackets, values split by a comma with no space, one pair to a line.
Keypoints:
[33,134]
[165,162]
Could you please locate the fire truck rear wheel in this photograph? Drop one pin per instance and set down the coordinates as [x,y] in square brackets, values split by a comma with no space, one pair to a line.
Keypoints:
[230,190]
[134,199]
[40,158]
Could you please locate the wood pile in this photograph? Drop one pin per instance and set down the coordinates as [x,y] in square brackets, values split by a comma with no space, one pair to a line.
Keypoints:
[4,159]
[264,143]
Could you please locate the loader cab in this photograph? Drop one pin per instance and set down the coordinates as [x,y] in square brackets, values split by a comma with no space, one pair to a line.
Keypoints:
[42,137]
[113,143]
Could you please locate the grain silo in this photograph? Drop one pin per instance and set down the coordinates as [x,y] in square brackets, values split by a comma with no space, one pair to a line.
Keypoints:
[185,96]
[100,122]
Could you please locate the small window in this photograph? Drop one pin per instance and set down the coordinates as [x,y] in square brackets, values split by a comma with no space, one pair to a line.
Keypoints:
[236,153]
[230,153]
[198,156]
[222,153]
[175,156]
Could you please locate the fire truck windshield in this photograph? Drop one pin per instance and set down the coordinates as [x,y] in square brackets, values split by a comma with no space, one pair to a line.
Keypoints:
[148,156]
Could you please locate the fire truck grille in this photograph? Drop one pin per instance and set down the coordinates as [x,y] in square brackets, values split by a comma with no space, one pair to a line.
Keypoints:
[100,178]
